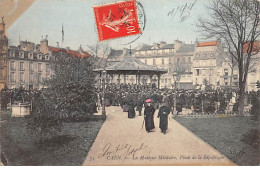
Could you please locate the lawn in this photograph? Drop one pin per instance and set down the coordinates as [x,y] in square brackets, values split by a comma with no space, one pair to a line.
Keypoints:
[70,147]
[235,137]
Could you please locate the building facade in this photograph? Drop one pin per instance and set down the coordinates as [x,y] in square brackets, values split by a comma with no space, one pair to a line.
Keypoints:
[207,64]
[29,64]
[183,63]
[3,56]
[158,55]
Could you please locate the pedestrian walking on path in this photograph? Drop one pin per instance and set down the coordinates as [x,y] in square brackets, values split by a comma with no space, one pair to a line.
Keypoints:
[131,109]
[148,116]
[164,111]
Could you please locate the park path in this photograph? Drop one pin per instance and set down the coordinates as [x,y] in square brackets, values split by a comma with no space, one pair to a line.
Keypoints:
[121,141]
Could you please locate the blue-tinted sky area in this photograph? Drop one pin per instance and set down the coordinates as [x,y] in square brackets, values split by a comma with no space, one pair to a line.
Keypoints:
[163,22]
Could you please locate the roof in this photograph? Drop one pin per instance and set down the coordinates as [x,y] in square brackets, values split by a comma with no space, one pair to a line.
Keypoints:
[167,46]
[131,64]
[115,53]
[143,47]
[73,53]
[186,48]
[212,43]
[256,46]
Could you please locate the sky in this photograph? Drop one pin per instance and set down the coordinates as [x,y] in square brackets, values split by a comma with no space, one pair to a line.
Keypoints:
[163,23]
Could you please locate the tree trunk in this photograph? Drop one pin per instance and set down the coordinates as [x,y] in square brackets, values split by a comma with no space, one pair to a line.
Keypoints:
[241,97]
[231,77]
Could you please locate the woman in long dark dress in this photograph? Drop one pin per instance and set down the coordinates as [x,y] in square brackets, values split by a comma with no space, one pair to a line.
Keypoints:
[131,109]
[164,111]
[148,116]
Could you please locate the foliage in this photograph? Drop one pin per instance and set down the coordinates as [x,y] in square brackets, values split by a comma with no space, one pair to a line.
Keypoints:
[68,96]
[255,106]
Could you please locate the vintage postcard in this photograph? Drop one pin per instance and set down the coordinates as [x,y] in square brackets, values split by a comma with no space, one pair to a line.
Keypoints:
[129,82]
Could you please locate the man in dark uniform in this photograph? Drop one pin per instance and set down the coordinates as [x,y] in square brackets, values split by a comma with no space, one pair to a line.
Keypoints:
[164,111]
[139,106]
[148,116]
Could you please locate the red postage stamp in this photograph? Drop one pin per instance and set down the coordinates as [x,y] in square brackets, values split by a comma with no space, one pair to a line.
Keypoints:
[116,20]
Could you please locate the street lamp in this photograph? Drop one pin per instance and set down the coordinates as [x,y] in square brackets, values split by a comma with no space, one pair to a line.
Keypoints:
[175,92]
[104,74]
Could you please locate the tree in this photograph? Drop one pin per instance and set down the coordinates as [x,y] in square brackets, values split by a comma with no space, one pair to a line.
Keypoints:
[236,24]
[100,50]
[231,62]
[68,96]
[179,69]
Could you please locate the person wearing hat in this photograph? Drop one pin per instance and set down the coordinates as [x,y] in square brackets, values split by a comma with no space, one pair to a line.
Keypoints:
[148,116]
[139,106]
[164,111]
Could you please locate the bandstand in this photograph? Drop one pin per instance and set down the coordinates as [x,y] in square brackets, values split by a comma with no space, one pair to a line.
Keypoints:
[131,66]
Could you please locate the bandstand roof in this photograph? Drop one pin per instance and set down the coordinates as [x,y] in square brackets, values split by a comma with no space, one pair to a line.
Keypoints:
[131,65]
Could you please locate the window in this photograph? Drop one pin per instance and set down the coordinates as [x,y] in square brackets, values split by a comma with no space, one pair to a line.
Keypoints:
[47,68]
[197,56]
[12,65]
[31,66]
[189,59]
[226,72]
[39,78]
[12,77]
[165,80]
[2,62]
[145,61]
[31,78]
[21,77]
[39,67]
[162,81]
[197,72]
[163,51]
[226,81]
[178,60]
[204,55]
[170,61]
[162,61]
[22,55]
[154,63]
[21,65]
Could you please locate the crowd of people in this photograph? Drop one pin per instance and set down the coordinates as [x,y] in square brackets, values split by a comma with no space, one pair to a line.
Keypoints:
[134,98]
[203,102]
[16,96]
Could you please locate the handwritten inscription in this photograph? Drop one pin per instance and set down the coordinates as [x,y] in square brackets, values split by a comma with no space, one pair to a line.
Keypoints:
[122,151]
[183,11]
[143,152]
